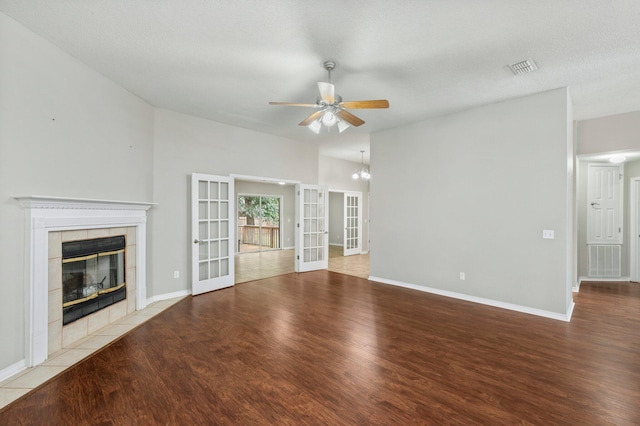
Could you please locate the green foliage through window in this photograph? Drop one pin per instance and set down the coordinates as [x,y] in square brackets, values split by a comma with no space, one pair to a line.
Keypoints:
[255,208]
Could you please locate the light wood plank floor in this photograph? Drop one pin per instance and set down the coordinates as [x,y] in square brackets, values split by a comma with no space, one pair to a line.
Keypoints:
[331,349]
[254,266]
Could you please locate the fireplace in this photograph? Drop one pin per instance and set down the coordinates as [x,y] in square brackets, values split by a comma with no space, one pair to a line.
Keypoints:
[52,221]
[93,276]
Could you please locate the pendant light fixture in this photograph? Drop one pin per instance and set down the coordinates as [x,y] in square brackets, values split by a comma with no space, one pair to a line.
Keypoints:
[362,172]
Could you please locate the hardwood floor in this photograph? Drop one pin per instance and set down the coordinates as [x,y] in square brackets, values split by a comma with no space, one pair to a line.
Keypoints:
[326,348]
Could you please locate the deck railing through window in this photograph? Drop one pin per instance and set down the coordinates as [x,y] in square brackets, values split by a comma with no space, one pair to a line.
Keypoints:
[265,236]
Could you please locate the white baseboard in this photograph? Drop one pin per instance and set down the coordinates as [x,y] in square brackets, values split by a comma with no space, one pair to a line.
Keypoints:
[288,248]
[615,280]
[337,245]
[15,368]
[166,296]
[570,310]
[495,303]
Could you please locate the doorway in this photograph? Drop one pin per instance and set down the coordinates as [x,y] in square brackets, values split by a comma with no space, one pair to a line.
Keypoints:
[347,232]
[623,250]
[264,251]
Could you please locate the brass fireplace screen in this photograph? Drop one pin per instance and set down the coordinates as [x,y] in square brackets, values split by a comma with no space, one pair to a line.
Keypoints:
[93,275]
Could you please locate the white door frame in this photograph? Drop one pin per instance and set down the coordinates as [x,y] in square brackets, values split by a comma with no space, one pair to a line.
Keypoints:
[634,237]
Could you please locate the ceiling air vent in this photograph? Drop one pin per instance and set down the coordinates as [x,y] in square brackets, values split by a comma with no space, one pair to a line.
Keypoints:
[523,67]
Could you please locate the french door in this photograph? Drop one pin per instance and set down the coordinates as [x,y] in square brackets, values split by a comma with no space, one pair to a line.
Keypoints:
[312,214]
[352,223]
[212,233]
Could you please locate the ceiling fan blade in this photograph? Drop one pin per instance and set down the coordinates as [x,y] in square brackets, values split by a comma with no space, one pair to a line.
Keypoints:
[380,103]
[310,119]
[292,104]
[327,92]
[349,118]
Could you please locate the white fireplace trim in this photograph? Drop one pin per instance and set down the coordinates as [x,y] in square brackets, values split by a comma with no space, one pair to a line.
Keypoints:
[44,214]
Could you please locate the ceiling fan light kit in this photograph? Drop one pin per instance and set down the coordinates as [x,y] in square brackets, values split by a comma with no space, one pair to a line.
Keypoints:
[332,111]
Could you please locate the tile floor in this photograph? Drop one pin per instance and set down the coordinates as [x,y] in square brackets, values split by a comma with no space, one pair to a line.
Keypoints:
[19,384]
[254,266]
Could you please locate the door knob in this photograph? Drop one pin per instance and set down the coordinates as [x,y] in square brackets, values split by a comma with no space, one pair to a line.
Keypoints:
[196,241]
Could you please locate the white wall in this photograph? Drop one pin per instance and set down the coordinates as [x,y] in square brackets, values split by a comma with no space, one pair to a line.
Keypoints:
[67,131]
[185,145]
[288,211]
[471,192]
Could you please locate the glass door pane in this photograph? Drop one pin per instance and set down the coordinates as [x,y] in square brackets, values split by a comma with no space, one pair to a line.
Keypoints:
[352,224]
[258,223]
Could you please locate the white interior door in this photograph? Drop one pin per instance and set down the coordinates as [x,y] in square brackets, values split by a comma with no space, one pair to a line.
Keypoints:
[604,209]
[352,223]
[312,229]
[212,232]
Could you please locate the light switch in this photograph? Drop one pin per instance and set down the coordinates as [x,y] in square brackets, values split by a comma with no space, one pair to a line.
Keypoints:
[548,234]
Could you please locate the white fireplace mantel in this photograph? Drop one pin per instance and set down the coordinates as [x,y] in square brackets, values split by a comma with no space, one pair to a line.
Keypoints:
[44,214]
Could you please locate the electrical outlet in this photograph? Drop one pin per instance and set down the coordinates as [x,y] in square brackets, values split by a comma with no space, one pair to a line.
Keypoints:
[548,234]
[463,276]
[176,274]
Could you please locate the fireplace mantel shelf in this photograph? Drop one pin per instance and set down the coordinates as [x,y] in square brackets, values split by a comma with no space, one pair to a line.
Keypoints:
[50,202]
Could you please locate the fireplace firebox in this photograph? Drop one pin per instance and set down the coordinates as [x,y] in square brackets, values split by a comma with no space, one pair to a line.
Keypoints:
[93,276]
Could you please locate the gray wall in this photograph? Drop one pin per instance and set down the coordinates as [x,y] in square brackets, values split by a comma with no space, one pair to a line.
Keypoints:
[184,145]
[613,133]
[65,131]
[287,192]
[471,192]
[336,218]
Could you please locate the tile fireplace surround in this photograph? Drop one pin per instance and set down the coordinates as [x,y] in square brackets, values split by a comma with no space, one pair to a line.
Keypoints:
[48,222]
[61,336]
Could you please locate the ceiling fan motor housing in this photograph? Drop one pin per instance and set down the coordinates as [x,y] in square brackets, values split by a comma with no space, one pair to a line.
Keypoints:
[329,65]
[321,102]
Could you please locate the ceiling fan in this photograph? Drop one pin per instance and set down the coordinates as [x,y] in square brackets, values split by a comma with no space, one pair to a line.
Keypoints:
[332,110]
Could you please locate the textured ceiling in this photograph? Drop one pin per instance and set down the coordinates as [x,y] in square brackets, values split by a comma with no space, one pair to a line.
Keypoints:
[225,60]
